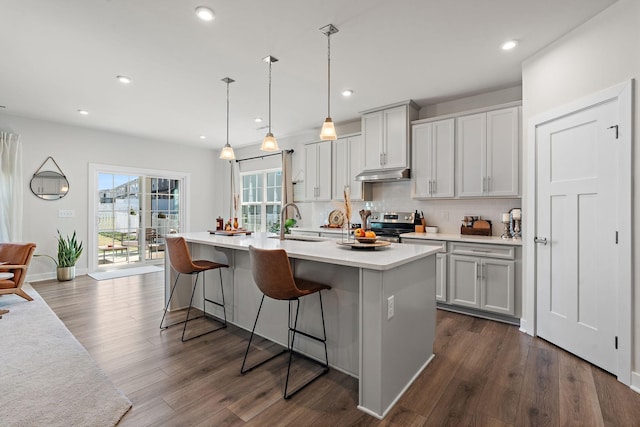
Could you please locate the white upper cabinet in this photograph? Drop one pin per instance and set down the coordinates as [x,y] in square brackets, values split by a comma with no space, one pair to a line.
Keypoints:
[386,136]
[487,152]
[432,171]
[348,161]
[317,160]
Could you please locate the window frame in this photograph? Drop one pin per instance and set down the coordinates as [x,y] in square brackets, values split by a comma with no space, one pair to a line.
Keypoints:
[264,203]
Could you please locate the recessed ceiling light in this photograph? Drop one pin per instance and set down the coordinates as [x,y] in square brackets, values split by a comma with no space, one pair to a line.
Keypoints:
[509,44]
[205,13]
[347,93]
[83,112]
[258,120]
[203,137]
[124,79]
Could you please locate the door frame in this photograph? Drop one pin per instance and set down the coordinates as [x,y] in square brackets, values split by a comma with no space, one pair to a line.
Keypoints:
[623,95]
[95,169]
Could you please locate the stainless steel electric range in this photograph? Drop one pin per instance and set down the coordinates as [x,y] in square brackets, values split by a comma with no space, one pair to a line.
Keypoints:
[390,225]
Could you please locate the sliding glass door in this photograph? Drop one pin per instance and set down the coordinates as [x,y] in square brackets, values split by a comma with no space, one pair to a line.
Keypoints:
[134,212]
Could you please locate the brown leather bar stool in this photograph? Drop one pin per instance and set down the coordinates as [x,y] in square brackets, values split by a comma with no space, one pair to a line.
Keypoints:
[272,273]
[181,262]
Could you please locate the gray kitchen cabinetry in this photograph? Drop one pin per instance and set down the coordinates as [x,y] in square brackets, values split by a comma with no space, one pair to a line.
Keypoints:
[433,162]
[348,161]
[441,265]
[483,277]
[487,153]
[387,137]
[317,160]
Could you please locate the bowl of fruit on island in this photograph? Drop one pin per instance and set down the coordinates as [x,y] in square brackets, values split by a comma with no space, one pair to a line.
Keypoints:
[364,236]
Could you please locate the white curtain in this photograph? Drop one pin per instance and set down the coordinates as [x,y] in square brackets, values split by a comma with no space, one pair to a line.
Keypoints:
[11,186]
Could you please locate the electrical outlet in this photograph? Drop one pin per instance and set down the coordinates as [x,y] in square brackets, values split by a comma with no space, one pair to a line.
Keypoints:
[445,216]
[66,213]
[390,307]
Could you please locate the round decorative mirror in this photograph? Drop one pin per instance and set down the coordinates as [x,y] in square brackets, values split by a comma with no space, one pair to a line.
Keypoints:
[49,185]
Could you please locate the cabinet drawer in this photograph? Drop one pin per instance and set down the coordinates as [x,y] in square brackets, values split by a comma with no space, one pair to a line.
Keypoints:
[440,243]
[483,250]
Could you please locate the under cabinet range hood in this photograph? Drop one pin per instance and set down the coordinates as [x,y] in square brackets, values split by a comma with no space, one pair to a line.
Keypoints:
[382,175]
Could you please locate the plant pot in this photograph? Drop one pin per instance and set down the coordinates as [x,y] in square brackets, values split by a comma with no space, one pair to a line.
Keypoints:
[66,273]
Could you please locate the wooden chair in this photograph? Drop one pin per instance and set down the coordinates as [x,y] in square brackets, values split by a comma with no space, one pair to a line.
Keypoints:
[15,259]
[272,274]
[181,262]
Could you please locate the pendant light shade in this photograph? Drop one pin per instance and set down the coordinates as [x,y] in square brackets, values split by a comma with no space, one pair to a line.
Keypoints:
[328,131]
[227,152]
[269,142]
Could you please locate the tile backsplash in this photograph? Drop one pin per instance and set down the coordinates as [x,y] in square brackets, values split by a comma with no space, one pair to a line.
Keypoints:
[446,214]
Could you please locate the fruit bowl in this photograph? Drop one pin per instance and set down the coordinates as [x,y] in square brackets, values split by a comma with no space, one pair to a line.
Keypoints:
[366,239]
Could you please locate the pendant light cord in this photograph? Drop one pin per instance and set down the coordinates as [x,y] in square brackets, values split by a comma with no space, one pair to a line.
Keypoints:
[329,74]
[227,113]
[270,95]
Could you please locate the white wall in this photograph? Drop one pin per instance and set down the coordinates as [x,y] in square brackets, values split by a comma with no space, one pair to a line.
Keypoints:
[599,54]
[74,148]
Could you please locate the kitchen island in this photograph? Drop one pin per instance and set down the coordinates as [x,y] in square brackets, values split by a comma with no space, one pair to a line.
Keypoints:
[380,312]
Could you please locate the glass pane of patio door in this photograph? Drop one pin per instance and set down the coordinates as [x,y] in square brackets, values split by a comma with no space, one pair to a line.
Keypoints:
[161,213]
[120,240]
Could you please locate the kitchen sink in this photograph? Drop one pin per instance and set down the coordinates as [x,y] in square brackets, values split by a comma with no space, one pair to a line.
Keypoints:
[300,238]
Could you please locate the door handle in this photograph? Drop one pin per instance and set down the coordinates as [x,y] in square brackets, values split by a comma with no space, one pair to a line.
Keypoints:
[542,240]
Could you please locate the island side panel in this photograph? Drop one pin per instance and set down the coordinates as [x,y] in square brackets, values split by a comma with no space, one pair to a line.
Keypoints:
[340,313]
[396,350]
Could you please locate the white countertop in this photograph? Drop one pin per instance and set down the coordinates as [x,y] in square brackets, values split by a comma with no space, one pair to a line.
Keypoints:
[496,240]
[318,230]
[384,258]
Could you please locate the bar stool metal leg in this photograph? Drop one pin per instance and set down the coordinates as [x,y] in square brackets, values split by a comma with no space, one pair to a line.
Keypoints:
[246,353]
[323,340]
[187,319]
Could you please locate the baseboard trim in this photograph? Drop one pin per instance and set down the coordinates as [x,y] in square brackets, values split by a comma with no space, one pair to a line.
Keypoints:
[635,381]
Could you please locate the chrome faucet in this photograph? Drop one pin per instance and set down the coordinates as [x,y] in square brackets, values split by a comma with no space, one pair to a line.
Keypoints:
[283,217]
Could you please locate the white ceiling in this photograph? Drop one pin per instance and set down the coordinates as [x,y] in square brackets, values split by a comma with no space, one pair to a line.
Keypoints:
[59,56]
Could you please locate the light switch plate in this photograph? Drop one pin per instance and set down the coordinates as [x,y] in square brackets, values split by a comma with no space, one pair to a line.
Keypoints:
[66,213]
[390,307]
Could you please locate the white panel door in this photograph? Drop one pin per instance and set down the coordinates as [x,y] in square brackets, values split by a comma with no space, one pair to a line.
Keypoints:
[576,214]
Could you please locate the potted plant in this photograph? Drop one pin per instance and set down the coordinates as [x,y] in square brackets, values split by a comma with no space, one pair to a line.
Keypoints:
[69,250]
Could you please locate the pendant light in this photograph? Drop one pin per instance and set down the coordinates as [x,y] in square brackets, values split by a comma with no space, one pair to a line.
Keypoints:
[328,131]
[227,152]
[269,142]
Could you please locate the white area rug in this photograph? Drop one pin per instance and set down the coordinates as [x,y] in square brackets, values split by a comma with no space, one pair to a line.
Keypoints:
[47,378]
[105,275]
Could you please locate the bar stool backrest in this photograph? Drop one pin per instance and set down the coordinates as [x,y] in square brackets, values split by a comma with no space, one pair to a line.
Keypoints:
[179,255]
[272,273]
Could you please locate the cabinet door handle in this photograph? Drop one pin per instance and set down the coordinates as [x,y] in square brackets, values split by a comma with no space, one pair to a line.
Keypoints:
[484,183]
[478,271]
[488,184]
[381,159]
[542,240]
[435,188]
[430,182]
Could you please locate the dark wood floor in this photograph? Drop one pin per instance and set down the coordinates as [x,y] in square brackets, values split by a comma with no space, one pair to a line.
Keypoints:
[484,374]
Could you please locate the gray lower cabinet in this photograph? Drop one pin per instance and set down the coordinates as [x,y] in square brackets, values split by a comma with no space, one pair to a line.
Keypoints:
[441,265]
[483,277]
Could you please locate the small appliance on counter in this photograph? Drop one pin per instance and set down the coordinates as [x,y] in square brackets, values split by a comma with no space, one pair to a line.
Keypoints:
[472,225]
